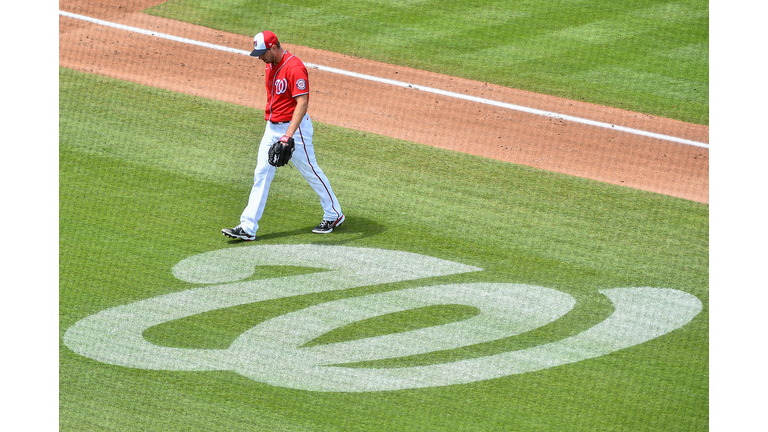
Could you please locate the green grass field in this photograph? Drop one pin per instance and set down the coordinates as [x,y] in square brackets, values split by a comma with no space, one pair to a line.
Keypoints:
[148,178]
[649,56]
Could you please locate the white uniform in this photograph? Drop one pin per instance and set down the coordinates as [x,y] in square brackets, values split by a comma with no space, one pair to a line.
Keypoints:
[303,159]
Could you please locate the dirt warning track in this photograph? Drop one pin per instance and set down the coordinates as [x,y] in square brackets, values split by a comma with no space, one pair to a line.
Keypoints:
[545,142]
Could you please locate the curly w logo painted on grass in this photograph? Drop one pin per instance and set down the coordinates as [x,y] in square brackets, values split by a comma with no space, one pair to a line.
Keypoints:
[274,351]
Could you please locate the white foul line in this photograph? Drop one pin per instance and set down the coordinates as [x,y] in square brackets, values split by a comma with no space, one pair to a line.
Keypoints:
[400,83]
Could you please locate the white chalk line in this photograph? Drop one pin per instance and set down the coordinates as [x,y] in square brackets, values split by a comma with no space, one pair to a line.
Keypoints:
[400,84]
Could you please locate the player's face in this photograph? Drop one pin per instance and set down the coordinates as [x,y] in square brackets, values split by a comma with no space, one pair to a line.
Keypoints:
[268,56]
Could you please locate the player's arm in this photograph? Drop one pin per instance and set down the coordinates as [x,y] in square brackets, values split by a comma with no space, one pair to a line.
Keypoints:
[302,102]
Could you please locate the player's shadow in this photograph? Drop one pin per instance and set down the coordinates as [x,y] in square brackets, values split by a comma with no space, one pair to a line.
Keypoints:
[354,228]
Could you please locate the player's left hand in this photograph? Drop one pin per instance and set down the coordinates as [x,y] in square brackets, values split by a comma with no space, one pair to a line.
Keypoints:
[281,151]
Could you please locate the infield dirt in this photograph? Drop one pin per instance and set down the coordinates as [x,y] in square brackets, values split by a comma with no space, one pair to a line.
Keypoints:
[547,143]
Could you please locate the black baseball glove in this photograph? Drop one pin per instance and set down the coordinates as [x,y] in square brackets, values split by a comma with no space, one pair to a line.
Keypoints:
[281,151]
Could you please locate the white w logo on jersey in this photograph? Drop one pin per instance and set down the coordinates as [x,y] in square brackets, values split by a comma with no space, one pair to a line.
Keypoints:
[281,86]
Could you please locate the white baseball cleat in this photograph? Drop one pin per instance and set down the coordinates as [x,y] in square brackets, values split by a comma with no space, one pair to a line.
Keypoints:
[238,233]
[327,225]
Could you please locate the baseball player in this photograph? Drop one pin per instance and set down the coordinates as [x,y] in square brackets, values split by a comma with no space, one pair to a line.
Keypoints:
[288,136]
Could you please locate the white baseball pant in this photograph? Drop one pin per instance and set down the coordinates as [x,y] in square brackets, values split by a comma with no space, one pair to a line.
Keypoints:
[303,159]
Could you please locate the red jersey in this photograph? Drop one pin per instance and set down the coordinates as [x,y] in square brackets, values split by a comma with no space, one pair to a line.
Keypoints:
[285,81]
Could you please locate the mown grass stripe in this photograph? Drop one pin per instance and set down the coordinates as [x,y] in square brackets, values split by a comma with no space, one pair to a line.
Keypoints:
[485,101]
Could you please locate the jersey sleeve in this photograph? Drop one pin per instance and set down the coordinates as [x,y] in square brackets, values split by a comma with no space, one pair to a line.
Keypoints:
[299,80]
